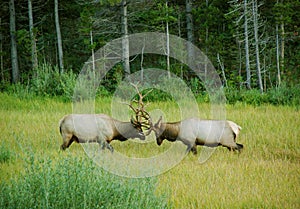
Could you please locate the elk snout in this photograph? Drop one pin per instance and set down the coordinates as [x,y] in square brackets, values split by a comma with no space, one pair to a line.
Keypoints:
[141,136]
[159,141]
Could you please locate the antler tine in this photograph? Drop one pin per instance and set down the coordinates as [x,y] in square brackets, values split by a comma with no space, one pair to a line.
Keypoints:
[137,89]
[148,92]
[141,96]
[150,128]
[131,107]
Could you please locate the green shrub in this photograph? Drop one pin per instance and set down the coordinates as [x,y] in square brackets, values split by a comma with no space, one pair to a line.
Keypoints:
[48,81]
[76,183]
[282,95]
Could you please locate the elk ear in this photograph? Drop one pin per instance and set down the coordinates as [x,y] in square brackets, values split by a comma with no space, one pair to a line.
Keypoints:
[158,124]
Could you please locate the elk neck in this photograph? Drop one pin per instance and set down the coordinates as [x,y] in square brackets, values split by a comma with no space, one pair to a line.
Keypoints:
[171,131]
[121,129]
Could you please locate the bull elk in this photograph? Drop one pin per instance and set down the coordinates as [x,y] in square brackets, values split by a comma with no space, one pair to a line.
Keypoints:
[99,128]
[194,131]
[191,131]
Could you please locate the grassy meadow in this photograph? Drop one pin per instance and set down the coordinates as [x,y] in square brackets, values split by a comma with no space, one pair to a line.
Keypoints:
[34,173]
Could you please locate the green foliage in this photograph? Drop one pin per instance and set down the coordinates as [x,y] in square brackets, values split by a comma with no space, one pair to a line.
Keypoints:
[215,32]
[48,81]
[76,183]
[282,95]
[5,154]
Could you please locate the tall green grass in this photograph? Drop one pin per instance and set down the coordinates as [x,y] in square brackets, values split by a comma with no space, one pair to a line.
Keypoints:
[42,176]
[75,182]
[264,175]
[37,174]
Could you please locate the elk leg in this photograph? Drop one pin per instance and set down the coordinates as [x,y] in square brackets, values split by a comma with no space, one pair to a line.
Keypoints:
[105,144]
[108,146]
[194,149]
[234,147]
[239,147]
[191,148]
[188,149]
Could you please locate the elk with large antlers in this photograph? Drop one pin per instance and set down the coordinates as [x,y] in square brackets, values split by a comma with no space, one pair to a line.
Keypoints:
[191,131]
[99,128]
[195,131]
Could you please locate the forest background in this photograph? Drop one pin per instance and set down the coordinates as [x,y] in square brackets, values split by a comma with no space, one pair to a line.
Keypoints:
[254,45]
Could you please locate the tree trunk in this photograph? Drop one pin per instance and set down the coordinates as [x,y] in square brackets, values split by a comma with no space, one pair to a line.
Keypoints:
[59,40]
[223,70]
[34,59]
[14,52]
[255,25]
[168,44]
[282,47]
[93,51]
[125,42]
[206,45]
[240,63]
[1,52]
[277,57]
[190,30]
[248,81]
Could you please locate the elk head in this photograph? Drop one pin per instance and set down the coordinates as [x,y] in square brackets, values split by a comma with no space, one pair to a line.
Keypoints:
[158,130]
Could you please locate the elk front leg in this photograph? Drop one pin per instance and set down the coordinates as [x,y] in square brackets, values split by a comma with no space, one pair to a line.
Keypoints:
[191,148]
[194,149]
[105,144]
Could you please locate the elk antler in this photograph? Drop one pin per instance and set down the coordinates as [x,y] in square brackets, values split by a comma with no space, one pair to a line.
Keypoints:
[140,112]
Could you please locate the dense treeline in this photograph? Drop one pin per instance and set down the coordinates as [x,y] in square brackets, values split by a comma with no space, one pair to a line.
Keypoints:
[253,44]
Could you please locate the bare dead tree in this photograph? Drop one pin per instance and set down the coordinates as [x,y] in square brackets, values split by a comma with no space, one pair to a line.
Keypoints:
[58,35]
[34,58]
[13,40]
[125,41]
[256,38]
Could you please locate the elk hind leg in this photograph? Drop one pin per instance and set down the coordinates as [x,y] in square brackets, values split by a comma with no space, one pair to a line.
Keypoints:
[234,147]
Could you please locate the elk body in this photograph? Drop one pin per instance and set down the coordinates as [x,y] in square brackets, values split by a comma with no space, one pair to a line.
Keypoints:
[194,131]
[99,128]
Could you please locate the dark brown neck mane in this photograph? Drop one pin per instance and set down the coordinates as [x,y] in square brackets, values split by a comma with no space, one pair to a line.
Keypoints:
[171,131]
[121,130]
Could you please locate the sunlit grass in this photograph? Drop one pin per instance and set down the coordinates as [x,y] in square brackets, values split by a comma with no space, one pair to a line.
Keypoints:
[265,175]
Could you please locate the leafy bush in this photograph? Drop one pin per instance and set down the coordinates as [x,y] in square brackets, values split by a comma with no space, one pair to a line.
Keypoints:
[48,81]
[76,183]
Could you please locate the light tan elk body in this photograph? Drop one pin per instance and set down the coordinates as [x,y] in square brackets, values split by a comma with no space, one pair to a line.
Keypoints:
[99,128]
[194,131]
